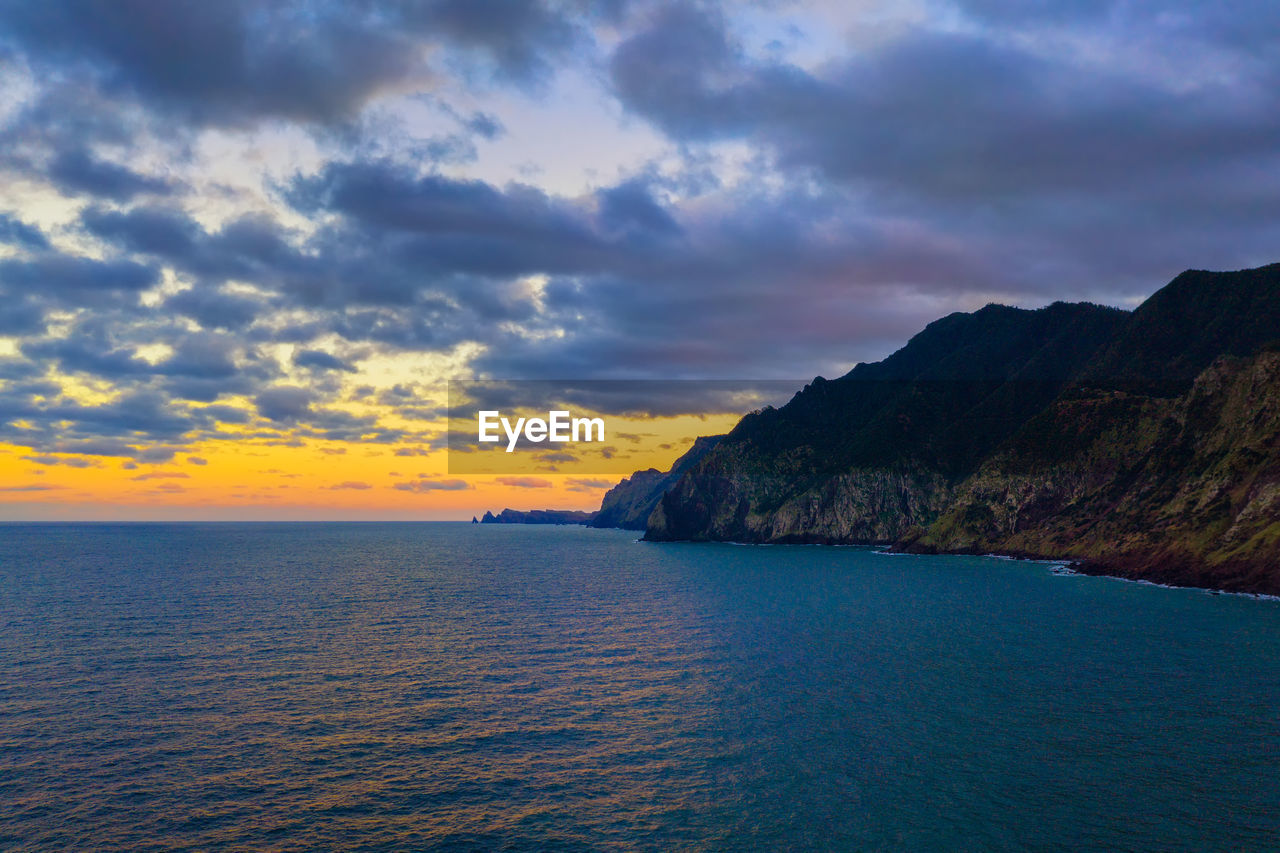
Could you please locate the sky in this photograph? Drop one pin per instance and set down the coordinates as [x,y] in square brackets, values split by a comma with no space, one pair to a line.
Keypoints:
[244,246]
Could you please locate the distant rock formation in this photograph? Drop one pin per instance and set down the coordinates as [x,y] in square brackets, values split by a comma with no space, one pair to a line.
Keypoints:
[626,505]
[538,516]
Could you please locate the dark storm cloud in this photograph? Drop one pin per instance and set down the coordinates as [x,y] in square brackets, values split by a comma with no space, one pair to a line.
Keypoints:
[454,225]
[68,275]
[57,425]
[166,232]
[943,115]
[1080,150]
[76,172]
[320,360]
[284,403]
[99,357]
[19,369]
[248,247]
[20,314]
[68,461]
[201,355]
[15,232]
[293,405]
[215,309]
[519,37]
[100,429]
[226,62]
[631,207]
[234,62]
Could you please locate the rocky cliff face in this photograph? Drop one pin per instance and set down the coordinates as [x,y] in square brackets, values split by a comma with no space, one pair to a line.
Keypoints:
[1147,445]
[732,499]
[1181,490]
[629,504]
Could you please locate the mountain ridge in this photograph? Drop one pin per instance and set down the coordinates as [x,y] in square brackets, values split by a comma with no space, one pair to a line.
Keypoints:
[1063,432]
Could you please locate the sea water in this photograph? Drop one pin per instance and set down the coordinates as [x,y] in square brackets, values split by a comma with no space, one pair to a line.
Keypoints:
[500,687]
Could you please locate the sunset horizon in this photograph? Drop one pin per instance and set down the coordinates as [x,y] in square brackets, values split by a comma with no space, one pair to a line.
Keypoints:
[239,269]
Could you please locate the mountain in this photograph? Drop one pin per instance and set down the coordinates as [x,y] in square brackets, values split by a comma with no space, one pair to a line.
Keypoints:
[1185,326]
[1143,444]
[865,457]
[629,504]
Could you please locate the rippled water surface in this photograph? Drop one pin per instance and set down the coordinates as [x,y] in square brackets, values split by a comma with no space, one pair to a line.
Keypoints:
[447,686]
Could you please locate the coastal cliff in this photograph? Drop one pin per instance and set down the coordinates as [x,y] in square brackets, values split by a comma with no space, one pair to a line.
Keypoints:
[1145,445]
[629,504]
[1183,490]
[867,457]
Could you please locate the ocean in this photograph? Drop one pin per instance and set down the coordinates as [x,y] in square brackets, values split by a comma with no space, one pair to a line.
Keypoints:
[493,687]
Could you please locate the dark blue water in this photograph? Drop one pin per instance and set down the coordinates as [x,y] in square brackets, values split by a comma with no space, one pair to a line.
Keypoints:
[439,686]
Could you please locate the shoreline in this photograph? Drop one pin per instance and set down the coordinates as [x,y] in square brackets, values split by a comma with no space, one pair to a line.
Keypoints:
[1085,566]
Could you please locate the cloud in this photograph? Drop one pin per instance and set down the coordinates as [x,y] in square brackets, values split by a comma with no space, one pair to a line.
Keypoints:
[69,461]
[284,403]
[214,309]
[217,63]
[18,233]
[75,172]
[196,460]
[431,485]
[585,484]
[525,482]
[449,226]
[76,276]
[156,454]
[35,487]
[351,484]
[162,475]
[320,360]
[518,38]
[235,62]
[1058,144]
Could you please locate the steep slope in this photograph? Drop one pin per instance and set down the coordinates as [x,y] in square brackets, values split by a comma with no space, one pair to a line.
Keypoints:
[866,457]
[1181,490]
[1185,326]
[629,504]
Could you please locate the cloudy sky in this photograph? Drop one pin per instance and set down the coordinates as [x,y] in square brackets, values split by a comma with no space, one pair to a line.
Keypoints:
[242,245]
